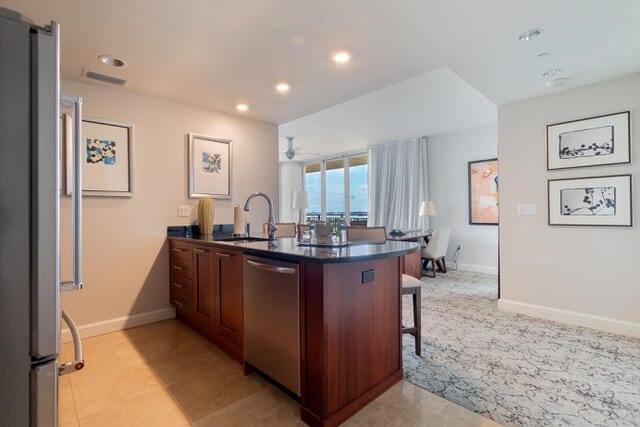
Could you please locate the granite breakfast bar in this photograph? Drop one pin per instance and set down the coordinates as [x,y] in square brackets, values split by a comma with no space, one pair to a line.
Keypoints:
[349,312]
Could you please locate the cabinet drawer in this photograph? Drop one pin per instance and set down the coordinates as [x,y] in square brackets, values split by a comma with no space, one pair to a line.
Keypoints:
[181,266]
[180,249]
[181,289]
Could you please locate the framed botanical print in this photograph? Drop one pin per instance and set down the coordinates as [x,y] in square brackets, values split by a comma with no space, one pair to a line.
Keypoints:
[591,201]
[209,167]
[483,192]
[107,161]
[595,141]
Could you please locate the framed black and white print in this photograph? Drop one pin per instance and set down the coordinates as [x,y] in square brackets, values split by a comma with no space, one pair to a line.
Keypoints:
[593,201]
[595,141]
[209,167]
[107,161]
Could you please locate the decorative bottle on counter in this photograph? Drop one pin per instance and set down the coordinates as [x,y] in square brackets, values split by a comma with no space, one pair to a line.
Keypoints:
[342,229]
[206,210]
[312,230]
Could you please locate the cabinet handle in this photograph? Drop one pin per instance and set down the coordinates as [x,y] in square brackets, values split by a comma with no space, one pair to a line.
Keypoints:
[176,267]
[177,250]
[76,196]
[223,255]
[271,268]
[178,303]
[200,251]
[178,285]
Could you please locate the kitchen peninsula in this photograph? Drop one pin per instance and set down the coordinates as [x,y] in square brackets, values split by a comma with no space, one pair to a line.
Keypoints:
[348,308]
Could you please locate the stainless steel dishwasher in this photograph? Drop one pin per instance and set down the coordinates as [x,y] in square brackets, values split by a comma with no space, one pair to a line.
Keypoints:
[272,319]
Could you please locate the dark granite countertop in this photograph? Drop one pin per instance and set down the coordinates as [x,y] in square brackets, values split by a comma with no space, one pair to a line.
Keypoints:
[287,249]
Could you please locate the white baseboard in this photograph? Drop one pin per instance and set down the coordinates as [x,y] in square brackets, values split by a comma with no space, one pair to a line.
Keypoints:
[601,323]
[476,268]
[119,323]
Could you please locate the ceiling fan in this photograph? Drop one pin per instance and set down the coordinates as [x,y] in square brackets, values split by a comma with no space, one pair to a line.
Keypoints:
[293,151]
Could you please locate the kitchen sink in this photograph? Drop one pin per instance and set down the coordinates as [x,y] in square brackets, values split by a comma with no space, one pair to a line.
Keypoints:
[243,239]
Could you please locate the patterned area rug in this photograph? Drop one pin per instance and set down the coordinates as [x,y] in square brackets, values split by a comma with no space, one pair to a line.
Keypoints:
[519,370]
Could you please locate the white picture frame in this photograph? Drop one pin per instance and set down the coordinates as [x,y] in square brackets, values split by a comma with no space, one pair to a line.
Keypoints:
[210,167]
[591,201]
[594,141]
[108,169]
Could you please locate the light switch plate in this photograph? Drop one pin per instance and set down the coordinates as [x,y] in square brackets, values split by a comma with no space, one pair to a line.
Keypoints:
[526,209]
[184,211]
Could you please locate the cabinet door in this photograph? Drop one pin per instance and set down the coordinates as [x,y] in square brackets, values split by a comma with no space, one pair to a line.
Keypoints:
[204,282]
[228,288]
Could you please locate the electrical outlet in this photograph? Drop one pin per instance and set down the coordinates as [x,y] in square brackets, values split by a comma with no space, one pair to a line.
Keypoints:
[184,211]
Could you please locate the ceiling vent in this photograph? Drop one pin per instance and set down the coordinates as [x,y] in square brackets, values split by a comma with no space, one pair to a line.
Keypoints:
[104,78]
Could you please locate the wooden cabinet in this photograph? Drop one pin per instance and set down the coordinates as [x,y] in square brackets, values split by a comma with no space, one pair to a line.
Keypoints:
[206,290]
[227,320]
[350,337]
[180,277]
[412,265]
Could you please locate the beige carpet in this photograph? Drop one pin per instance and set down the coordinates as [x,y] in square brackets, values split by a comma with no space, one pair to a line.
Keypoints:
[518,370]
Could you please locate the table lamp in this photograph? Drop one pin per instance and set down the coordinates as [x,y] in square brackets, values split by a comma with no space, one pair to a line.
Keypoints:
[428,208]
[300,202]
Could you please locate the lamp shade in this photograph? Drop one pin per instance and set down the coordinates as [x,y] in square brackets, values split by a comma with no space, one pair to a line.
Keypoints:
[300,200]
[428,208]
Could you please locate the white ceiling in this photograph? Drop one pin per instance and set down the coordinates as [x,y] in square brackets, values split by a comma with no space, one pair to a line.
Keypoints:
[432,103]
[216,53]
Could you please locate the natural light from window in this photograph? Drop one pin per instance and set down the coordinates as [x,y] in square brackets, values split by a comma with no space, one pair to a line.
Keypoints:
[344,184]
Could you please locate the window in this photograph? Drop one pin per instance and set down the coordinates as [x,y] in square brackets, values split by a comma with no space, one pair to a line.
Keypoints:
[358,190]
[335,189]
[313,185]
[338,187]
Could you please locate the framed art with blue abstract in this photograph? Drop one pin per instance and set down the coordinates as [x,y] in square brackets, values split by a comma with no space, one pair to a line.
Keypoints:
[209,167]
[107,166]
[592,201]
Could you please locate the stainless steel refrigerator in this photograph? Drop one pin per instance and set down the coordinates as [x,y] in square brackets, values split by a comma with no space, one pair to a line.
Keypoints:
[29,222]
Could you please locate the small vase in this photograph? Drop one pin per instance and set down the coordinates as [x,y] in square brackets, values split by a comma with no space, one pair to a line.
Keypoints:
[206,210]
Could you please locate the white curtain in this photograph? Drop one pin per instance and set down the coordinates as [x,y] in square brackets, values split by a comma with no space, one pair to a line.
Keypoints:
[397,184]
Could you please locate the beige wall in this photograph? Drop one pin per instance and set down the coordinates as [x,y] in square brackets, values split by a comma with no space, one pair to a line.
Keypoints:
[291,179]
[125,254]
[449,155]
[584,275]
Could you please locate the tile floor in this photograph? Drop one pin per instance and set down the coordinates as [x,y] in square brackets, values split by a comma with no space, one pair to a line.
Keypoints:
[165,374]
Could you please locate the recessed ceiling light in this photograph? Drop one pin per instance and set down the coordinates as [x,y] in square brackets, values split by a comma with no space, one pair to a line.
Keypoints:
[342,57]
[110,60]
[242,107]
[283,87]
[552,72]
[558,82]
[530,34]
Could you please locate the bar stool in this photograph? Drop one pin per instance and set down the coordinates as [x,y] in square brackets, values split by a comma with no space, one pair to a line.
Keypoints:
[412,286]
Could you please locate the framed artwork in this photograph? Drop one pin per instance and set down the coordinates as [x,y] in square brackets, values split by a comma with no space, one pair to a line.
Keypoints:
[595,141]
[483,192]
[209,167]
[107,163]
[593,201]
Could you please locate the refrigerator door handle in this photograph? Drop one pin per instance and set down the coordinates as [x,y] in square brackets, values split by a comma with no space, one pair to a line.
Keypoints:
[78,362]
[76,196]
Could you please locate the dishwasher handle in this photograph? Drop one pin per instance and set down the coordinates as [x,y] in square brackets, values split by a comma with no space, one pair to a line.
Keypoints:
[271,268]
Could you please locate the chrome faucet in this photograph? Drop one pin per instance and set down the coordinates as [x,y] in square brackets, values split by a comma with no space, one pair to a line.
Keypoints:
[271,224]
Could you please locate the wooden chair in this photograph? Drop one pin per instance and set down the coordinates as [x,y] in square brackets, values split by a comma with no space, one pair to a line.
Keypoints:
[412,286]
[302,228]
[367,234]
[436,250]
[285,229]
